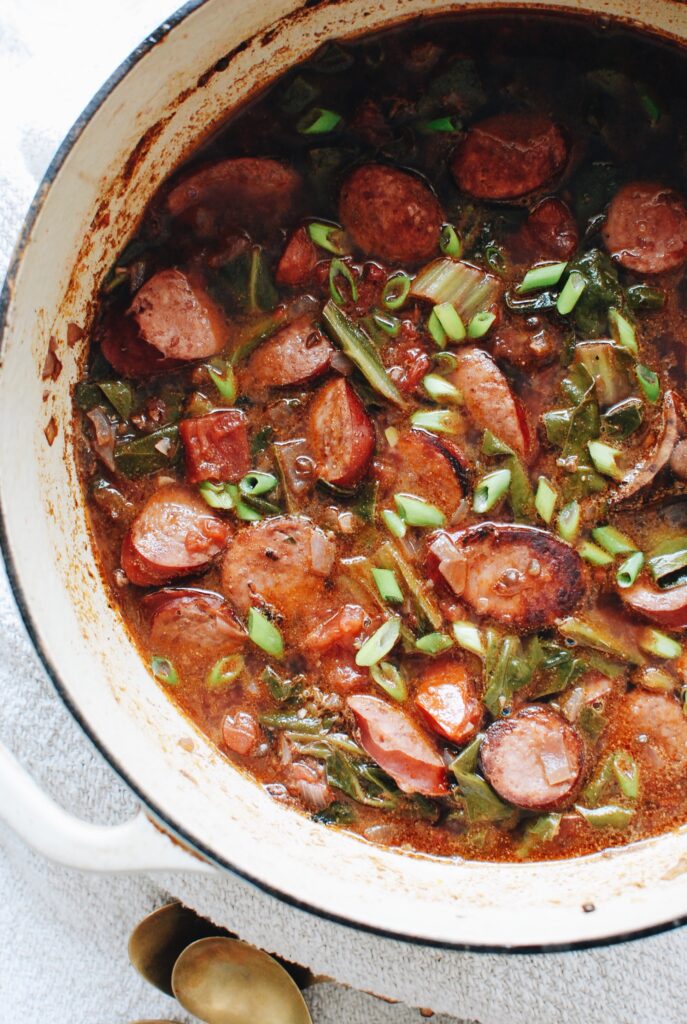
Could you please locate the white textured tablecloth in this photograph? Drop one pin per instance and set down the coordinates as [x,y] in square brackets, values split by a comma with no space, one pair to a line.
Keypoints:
[63,948]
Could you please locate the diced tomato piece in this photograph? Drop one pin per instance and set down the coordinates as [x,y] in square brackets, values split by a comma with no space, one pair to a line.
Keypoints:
[216,446]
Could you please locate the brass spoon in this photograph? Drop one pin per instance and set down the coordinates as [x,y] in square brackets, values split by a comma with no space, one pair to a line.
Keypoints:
[159,938]
[224,981]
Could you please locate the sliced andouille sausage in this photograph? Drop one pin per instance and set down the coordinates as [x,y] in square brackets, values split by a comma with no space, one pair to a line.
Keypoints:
[297,261]
[177,316]
[673,424]
[192,622]
[526,343]
[391,214]
[295,354]
[174,534]
[654,728]
[281,562]
[509,156]
[549,233]
[341,437]
[240,732]
[128,354]
[447,697]
[216,446]
[646,228]
[249,192]
[534,759]
[399,746]
[664,607]
[425,466]
[489,400]
[678,460]
[520,576]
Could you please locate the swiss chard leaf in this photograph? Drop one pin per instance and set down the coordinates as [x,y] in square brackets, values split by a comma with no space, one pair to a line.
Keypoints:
[144,455]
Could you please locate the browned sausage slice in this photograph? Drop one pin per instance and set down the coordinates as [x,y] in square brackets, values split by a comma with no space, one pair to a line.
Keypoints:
[295,354]
[297,261]
[489,401]
[534,759]
[216,446]
[390,214]
[250,192]
[282,563]
[665,607]
[399,746]
[173,535]
[177,316]
[654,728]
[128,354]
[527,343]
[426,466]
[509,155]
[447,698]
[646,228]
[520,576]
[192,623]
[549,233]
[340,434]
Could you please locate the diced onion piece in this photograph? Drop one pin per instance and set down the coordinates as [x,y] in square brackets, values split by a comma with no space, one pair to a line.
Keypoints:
[322,553]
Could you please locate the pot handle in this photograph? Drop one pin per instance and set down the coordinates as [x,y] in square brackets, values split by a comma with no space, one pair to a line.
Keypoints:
[135,846]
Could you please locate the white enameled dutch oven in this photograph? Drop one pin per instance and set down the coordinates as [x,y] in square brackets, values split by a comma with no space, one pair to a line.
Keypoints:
[207,58]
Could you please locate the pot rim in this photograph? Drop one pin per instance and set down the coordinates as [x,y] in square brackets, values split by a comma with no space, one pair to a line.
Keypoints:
[6,295]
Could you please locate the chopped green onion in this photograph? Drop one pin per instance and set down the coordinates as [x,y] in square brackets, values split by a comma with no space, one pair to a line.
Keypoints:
[622,331]
[668,558]
[435,328]
[379,644]
[468,637]
[216,495]
[441,124]
[318,121]
[257,482]
[490,489]
[603,457]
[438,421]
[653,641]
[337,268]
[626,773]
[416,512]
[546,498]
[225,671]
[610,816]
[328,236]
[449,242]
[450,320]
[164,671]
[594,554]
[243,511]
[391,325]
[541,277]
[480,324]
[569,521]
[434,643]
[445,362]
[652,109]
[613,541]
[387,585]
[391,434]
[440,389]
[394,523]
[571,293]
[630,569]
[224,380]
[360,349]
[396,290]
[388,677]
[649,382]
[265,634]
[653,678]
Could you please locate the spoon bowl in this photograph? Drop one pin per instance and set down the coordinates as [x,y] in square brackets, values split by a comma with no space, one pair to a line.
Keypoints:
[225,981]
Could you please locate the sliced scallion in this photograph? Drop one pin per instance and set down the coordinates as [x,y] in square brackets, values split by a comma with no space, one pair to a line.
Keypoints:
[339,269]
[318,121]
[434,643]
[445,362]
[450,320]
[394,523]
[593,554]
[604,458]
[668,559]
[265,634]
[629,570]
[243,511]
[648,382]
[164,671]
[360,349]
[379,644]
[224,380]
[387,585]
[541,277]
[391,325]
[469,637]
[568,521]
[440,389]
[610,816]
[613,541]
[622,331]
[490,490]
[328,236]
[449,242]
[438,421]
[436,330]
[225,671]
[545,499]
[626,773]
[256,482]
[216,495]
[480,324]
[389,679]
[571,293]
[653,641]
[447,124]
[416,512]
[396,290]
